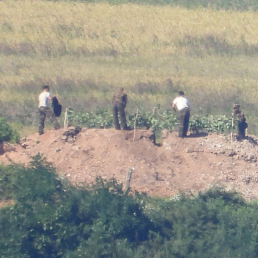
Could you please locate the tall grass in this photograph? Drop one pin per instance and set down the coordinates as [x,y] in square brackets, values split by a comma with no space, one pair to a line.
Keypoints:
[84,51]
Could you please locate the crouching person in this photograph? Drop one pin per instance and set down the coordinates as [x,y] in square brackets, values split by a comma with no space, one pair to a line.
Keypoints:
[44,110]
[240,119]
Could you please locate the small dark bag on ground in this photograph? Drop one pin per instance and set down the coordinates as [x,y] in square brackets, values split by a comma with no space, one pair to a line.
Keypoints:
[57,107]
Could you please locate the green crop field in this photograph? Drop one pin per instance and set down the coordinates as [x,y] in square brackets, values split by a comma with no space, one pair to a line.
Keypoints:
[84,51]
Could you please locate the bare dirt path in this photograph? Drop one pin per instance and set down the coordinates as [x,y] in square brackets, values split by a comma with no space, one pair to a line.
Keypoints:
[190,164]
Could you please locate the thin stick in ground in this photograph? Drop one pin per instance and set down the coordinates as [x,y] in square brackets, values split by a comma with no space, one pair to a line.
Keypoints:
[134,125]
[128,179]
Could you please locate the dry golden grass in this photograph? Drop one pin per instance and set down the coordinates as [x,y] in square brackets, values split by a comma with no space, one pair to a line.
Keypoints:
[123,27]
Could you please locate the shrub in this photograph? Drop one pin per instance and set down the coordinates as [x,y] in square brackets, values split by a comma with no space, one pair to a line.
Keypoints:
[51,218]
[7,133]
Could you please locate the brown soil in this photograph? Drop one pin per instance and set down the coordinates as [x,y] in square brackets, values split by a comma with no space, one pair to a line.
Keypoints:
[4,203]
[191,164]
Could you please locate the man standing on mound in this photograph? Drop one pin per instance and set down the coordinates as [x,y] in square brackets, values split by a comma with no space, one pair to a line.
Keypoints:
[182,106]
[44,110]
[239,117]
[119,102]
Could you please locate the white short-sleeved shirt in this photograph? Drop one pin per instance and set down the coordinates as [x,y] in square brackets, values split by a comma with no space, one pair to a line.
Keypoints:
[43,98]
[181,102]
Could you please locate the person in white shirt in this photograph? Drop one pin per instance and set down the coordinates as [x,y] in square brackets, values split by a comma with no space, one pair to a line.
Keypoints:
[181,104]
[44,110]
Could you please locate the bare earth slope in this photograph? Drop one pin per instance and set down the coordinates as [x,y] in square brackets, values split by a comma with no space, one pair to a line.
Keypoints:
[190,164]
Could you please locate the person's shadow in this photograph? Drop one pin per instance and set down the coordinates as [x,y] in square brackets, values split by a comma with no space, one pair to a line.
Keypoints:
[251,140]
[196,135]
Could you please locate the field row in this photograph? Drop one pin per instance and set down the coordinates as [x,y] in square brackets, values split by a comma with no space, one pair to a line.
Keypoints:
[60,27]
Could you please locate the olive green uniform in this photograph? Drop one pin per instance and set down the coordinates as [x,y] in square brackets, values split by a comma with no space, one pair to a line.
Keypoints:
[43,113]
[239,117]
[119,102]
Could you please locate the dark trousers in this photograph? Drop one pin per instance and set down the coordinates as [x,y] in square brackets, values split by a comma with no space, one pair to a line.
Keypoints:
[183,119]
[241,129]
[119,109]
[46,112]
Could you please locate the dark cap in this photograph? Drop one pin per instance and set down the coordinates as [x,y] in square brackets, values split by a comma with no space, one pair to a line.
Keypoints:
[236,106]
[45,87]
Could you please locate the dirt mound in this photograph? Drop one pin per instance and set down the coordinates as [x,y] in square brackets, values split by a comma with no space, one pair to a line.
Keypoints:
[190,164]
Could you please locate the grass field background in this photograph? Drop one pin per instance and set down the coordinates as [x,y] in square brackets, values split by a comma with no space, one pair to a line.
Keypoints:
[84,51]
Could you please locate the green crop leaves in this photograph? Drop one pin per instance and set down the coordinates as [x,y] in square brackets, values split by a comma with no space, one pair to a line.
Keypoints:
[156,120]
[100,119]
[220,123]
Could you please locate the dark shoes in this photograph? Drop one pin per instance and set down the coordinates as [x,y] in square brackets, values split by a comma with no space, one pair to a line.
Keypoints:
[127,128]
[56,128]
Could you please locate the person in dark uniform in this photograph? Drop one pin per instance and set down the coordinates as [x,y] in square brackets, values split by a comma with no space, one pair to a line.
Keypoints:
[119,102]
[239,117]
[182,106]
[44,110]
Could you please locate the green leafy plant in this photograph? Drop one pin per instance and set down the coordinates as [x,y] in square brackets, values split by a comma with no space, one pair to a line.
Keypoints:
[156,120]
[220,123]
[7,133]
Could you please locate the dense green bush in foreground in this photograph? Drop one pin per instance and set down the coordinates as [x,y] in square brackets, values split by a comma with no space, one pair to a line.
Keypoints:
[51,218]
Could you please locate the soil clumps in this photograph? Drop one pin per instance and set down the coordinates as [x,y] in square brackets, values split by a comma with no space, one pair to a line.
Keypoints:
[193,164]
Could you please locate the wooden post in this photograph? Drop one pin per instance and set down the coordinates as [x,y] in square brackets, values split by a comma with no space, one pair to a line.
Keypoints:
[65,120]
[134,125]
[1,148]
[232,125]
[128,179]
[155,133]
